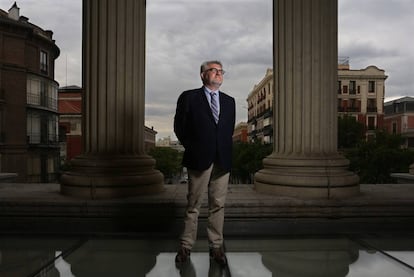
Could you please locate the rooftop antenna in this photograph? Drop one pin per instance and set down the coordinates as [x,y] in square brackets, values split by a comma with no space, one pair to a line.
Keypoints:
[66,71]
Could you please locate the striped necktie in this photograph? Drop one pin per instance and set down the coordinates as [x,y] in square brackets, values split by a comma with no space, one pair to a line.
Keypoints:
[214,106]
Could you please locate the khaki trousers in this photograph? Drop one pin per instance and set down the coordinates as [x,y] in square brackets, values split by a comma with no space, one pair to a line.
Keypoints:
[216,181]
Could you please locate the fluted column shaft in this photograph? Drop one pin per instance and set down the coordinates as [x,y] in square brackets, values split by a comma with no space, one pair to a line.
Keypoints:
[114,76]
[305,162]
[114,163]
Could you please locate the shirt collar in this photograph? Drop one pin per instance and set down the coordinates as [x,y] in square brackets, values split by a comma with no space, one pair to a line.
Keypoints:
[209,91]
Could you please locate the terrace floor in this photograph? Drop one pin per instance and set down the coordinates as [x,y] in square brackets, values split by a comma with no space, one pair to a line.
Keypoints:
[44,233]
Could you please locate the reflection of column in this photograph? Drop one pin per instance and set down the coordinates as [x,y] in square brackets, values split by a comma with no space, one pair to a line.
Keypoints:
[114,257]
[310,257]
[114,163]
[305,161]
[309,263]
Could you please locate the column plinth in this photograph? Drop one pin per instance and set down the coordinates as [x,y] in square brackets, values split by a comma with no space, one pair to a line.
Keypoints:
[114,163]
[305,162]
[110,176]
[305,177]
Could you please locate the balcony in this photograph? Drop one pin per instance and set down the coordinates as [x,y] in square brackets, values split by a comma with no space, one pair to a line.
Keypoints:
[41,101]
[354,109]
[268,113]
[42,139]
[252,120]
[267,130]
[349,109]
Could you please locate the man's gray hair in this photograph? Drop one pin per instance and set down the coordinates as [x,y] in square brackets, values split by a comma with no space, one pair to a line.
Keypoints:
[205,64]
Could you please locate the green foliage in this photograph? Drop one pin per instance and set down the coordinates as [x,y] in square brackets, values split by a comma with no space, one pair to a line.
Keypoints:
[350,132]
[168,160]
[247,160]
[374,160]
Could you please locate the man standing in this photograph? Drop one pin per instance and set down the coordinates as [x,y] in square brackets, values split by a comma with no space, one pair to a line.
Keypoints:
[204,124]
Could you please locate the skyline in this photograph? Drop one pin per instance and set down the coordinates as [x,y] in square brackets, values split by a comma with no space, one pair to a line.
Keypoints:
[179,38]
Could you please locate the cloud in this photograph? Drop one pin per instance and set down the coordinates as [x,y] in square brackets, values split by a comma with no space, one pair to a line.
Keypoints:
[183,33]
[239,33]
[377,32]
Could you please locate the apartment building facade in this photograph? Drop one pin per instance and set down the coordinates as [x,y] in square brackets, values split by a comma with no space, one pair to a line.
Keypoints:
[29,143]
[360,95]
[260,110]
[399,119]
[70,122]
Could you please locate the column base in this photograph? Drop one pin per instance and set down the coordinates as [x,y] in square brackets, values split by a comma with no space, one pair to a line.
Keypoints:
[307,177]
[111,176]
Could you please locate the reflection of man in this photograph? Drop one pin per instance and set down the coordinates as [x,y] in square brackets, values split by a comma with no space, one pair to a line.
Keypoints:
[204,124]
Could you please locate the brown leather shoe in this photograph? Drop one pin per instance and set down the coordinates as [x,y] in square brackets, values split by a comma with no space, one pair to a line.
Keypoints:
[218,255]
[182,255]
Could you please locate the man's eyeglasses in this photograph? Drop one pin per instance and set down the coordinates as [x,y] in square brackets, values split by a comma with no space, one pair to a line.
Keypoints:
[216,71]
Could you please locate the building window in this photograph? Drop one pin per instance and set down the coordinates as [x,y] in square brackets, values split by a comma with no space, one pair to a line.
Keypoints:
[33,128]
[43,62]
[42,128]
[372,106]
[33,91]
[394,128]
[409,106]
[339,87]
[371,86]
[352,105]
[339,105]
[41,92]
[371,123]
[345,89]
[352,87]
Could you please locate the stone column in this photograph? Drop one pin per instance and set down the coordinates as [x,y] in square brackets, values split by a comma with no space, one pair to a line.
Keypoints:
[305,162]
[114,163]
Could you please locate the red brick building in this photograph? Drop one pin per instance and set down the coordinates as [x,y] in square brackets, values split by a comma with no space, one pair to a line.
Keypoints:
[399,119]
[240,132]
[29,143]
[70,122]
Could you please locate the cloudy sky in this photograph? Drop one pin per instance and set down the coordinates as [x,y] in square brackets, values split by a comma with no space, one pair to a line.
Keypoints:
[183,33]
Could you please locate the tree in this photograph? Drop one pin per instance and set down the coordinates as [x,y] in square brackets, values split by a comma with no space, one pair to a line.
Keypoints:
[168,161]
[374,160]
[247,160]
[350,132]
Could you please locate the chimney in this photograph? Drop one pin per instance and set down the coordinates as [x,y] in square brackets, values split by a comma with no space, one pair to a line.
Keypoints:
[14,12]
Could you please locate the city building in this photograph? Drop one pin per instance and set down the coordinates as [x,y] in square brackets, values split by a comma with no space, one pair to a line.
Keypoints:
[70,124]
[240,132]
[29,144]
[168,142]
[360,95]
[260,110]
[149,138]
[399,119]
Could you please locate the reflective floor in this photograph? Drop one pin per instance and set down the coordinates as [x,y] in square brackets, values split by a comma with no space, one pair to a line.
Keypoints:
[366,256]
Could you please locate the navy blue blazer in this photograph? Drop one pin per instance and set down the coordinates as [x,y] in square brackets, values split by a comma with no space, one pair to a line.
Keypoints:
[205,141]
